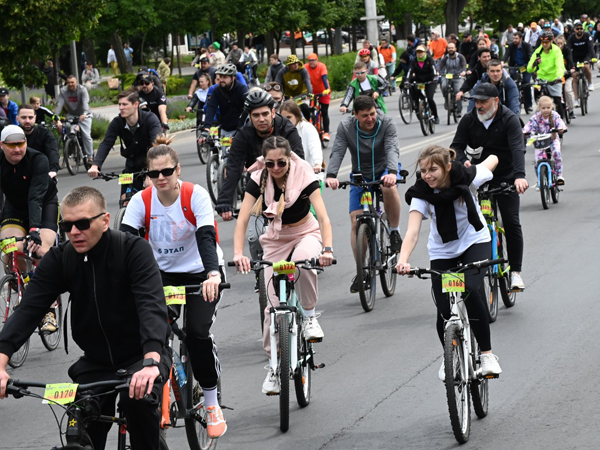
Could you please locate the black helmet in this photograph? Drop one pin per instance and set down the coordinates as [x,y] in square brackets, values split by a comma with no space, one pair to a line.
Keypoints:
[227,69]
[256,99]
[548,35]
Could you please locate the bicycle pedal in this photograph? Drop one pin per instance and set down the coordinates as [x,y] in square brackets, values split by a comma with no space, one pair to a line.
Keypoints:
[492,376]
[314,341]
[271,394]
[319,366]
[226,407]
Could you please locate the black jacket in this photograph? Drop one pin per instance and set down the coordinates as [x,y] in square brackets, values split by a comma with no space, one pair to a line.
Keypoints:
[135,146]
[472,79]
[509,55]
[503,138]
[247,146]
[568,59]
[42,140]
[422,74]
[468,49]
[229,103]
[116,316]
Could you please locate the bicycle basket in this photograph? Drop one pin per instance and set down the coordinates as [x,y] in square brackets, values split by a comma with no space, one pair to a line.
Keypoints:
[542,144]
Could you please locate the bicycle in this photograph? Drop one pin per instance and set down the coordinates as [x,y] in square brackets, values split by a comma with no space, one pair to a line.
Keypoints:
[405,105]
[251,80]
[292,356]
[516,73]
[124,179]
[81,408]
[72,146]
[316,118]
[582,86]
[373,247]
[451,97]
[498,278]
[547,178]
[423,110]
[204,148]
[12,287]
[541,88]
[462,357]
[187,400]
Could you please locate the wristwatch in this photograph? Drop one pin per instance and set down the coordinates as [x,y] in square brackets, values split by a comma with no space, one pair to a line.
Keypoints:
[149,362]
[327,249]
[37,230]
[213,273]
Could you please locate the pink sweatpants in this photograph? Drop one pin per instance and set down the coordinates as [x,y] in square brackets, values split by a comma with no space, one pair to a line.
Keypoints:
[303,242]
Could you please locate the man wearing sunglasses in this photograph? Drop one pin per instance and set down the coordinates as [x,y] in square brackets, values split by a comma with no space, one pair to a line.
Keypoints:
[580,44]
[154,97]
[136,130]
[118,313]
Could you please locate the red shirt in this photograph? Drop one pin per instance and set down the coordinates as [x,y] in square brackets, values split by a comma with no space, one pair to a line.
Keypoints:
[316,79]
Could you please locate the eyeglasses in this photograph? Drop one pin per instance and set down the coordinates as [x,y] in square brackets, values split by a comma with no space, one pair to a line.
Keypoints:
[280,163]
[145,83]
[578,29]
[81,224]
[165,172]
[14,144]
[275,87]
[361,73]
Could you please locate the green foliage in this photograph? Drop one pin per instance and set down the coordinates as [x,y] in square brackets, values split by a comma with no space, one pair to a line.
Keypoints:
[176,109]
[499,13]
[339,68]
[175,83]
[99,127]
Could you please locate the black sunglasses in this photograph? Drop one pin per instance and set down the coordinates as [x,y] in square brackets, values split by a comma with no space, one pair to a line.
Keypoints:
[165,172]
[81,224]
[280,163]
[145,83]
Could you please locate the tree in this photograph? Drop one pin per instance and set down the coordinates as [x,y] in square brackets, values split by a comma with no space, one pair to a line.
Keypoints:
[34,30]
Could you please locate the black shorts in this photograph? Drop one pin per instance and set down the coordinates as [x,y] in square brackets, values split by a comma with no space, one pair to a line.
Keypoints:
[13,217]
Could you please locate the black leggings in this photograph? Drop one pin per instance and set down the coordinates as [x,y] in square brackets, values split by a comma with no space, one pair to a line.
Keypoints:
[476,307]
[429,92]
[200,315]
[508,204]
[559,107]
[325,114]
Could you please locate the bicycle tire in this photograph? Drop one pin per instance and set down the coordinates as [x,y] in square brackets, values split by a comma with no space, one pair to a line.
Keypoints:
[52,340]
[5,298]
[13,299]
[423,119]
[364,241]
[567,113]
[454,109]
[544,186]
[263,298]
[405,107]
[71,156]
[508,296]
[324,143]
[581,92]
[457,384]
[555,190]
[479,386]
[449,105]
[284,372]
[431,121]
[202,149]
[302,373]
[119,218]
[212,177]
[489,294]
[584,98]
[387,273]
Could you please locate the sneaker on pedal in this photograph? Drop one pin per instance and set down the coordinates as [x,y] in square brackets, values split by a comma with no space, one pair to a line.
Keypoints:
[516,282]
[436,120]
[271,384]
[560,181]
[312,329]
[489,365]
[366,282]
[326,137]
[395,241]
[442,372]
[49,325]
[215,422]
[590,87]
[576,104]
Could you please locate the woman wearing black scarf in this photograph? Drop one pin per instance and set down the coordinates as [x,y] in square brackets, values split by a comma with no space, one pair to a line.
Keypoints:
[445,193]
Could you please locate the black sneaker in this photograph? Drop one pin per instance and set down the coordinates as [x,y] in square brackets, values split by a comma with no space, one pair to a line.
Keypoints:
[395,241]
[366,282]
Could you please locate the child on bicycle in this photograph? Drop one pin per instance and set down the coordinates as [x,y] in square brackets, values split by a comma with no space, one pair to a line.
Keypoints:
[199,98]
[543,121]
[282,187]
[457,234]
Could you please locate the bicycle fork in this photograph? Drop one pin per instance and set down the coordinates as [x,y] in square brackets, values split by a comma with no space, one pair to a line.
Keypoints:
[282,309]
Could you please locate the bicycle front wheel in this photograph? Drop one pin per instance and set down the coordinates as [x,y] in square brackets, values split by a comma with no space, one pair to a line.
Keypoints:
[405,107]
[544,187]
[324,143]
[212,177]
[489,294]
[365,271]
[119,218]
[423,118]
[479,386]
[51,340]
[388,260]
[12,299]
[509,296]
[302,373]
[449,105]
[72,156]
[582,91]
[284,372]
[202,149]
[262,298]
[457,384]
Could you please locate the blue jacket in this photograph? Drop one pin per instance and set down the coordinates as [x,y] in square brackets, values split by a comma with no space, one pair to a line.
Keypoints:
[12,110]
[508,92]
[229,103]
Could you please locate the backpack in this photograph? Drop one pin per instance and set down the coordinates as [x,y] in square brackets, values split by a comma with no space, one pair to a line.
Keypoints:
[187,189]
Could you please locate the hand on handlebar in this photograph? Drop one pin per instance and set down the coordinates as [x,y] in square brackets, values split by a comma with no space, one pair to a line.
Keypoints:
[326,259]
[93,171]
[402,268]
[142,382]
[521,184]
[389,180]
[210,288]
[333,183]
[242,263]
[224,210]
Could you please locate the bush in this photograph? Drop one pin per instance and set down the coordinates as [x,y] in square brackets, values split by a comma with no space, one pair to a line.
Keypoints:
[339,68]
[99,127]
[175,83]
[176,109]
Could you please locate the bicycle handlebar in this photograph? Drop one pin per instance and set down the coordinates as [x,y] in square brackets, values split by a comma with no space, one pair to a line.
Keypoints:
[307,264]
[107,176]
[504,188]
[344,184]
[420,271]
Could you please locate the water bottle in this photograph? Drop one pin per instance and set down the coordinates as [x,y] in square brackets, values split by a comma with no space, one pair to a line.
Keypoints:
[179,371]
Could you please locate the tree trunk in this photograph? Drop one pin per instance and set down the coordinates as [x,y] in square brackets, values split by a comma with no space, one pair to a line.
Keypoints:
[117,44]
[293,42]
[88,47]
[326,42]
[407,25]
[269,44]
[453,11]
[178,57]
[165,46]
[315,43]
[278,41]
[338,40]
[354,38]
[142,49]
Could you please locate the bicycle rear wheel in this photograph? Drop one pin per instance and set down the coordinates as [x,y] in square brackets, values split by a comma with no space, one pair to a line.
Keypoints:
[423,118]
[388,260]
[72,156]
[449,105]
[431,121]
[263,298]
[581,92]
[212,177]
[119,218]
[479,386]
[544,187]
[12,299]
[457,384]
[365,271]
[302,373]
[284,372]
[324,143]
[489,294]
[509,296]
[202,149]
[584,98]
[405,107]
[51,340]
[555,191]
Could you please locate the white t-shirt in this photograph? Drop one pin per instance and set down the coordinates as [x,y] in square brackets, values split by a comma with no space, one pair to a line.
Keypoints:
[313,152]
[172,237]
[467,235]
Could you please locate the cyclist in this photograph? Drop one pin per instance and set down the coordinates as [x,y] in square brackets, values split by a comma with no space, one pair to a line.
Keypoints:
[533,34]
[235,55]
[422,70]
[200,97]
[475,73]
[374,149]
[153,96]
[135,128]
[276,91]
[518,55]
[389,55]
[481,43]
[90,77]
[320,83]
[282,187]
[372,50]
[437,46]
[275,65]
[508,92]
[205,68]
[295,81]
[498,130]
[468,47]
[580,44]
[216,56]
[365,85]
[568,94]
[228,97]
[186,256]
[249,58]
[77,101]
[365,57]
[118,317]
[10,108]
[452,63]
[38,137]
[457,234]
[548,62]
[41,112]
[164,72]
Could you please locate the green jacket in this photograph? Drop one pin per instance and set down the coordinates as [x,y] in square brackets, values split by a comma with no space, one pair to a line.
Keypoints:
[377,84]
[552,66]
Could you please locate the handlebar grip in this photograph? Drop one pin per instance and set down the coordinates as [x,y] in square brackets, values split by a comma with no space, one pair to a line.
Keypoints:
[497,261]
[230,264]
[334,261]
[224,286]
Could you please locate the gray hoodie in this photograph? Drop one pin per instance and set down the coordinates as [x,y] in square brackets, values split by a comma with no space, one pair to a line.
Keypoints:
[77,102]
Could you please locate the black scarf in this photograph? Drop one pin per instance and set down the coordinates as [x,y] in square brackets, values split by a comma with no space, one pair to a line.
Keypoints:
[443,201]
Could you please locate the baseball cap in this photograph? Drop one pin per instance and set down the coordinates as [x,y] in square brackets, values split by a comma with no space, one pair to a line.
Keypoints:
[485,91]
[313,56]
[533,25]
[204,59]
[3,91]
[420,48]
[520,25]
[12,133]
[466,34]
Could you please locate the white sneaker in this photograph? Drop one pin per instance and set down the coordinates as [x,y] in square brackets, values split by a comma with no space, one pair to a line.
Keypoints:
[590,87]
[516,282]
[537,187]
[312,329]
[576,104]
[442,372]
[489,364]
[560,181]
[271,384]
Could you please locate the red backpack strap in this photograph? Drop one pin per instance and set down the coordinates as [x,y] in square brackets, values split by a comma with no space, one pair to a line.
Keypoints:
[217,231]
[147,197]
[187,189]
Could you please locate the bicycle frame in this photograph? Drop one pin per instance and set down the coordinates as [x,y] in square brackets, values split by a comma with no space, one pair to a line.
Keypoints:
[290,309]
[549,165]
[460,318]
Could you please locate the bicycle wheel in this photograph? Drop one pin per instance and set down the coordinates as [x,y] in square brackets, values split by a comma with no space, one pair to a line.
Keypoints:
[52,340]
[72,156]
[431,121]
[263,298]
[405,107]
[581,92]
[454,109]
[423,118]
[365,271]
[324,143]
[479,386]
[544,186]
[449,105]
[119,218]
[12,299]
[284,372]
[202,149]
[554,190]
[457,384]
[584,98]
[388,260]
[302,373]
[489,294]
[509,297]
[212,175]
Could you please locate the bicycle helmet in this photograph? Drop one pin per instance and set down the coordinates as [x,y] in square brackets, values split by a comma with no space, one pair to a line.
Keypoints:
[227,69]
[364,52]
[548,36]
[256,99]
